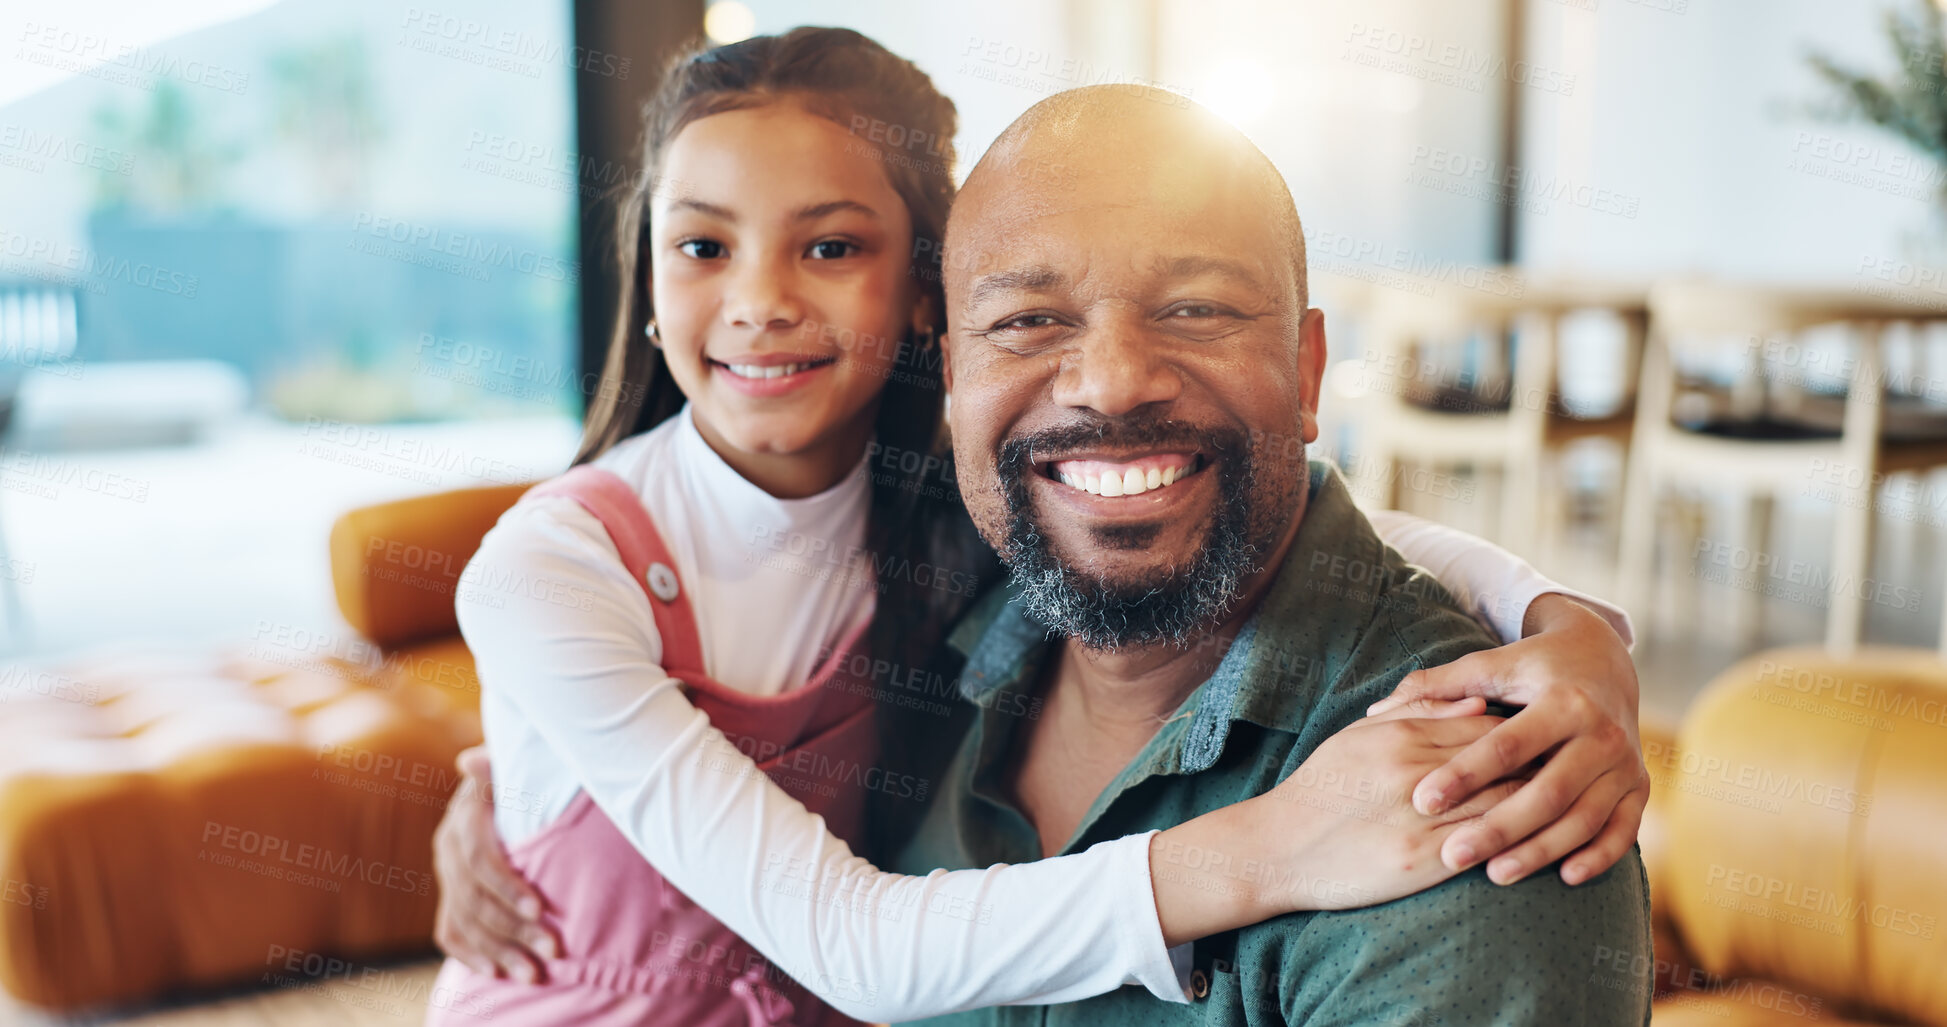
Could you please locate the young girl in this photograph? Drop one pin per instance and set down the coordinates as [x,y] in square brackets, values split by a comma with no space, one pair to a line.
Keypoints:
[686,683]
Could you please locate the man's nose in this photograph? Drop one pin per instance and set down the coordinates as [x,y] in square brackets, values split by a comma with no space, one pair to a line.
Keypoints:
[762,295]
[1115,370]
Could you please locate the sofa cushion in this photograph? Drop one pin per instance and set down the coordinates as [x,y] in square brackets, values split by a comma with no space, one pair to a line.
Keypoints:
[171,822]
[440,672]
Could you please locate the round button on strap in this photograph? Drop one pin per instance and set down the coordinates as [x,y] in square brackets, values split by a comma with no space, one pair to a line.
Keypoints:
[662,582]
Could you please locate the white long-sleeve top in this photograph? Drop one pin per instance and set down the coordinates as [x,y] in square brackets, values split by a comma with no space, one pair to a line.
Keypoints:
[574,698]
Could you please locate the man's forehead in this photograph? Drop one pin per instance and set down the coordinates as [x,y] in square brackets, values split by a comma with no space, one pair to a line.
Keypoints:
[1040,247]
[1084,271]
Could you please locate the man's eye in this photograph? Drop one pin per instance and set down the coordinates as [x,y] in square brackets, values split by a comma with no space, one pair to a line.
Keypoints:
[1195,310]
[701,249]
[1028,321]
[832,249]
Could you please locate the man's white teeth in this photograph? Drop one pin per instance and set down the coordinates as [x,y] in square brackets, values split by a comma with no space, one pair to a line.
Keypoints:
[1131,482]
[761,371]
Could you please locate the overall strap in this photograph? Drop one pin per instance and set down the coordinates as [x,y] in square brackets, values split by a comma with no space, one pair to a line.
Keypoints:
[641,547]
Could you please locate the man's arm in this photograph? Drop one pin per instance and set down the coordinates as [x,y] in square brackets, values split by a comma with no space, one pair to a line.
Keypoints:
[1534,954]
[1467,951]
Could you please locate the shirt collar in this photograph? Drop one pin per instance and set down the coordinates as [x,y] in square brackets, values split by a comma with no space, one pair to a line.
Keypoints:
[1288,654]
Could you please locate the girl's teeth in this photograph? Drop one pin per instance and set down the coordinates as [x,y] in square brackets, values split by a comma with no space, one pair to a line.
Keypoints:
[760,371]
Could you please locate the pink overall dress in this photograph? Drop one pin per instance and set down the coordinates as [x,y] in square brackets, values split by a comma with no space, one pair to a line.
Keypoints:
[637,951]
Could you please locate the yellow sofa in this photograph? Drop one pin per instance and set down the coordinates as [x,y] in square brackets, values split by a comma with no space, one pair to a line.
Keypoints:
[183,823]
[1797,845]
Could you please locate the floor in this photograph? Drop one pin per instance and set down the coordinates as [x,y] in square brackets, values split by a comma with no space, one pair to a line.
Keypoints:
[396,996]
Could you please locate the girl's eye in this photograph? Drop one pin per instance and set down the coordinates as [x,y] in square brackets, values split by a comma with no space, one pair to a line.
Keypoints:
[832,249]
[701,249]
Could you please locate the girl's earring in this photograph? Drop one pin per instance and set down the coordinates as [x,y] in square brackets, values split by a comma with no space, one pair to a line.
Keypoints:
[654,333]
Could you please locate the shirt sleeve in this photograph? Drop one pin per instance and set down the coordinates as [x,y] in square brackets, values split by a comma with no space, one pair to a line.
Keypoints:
[877,946]
[1493,584]
[1534,954]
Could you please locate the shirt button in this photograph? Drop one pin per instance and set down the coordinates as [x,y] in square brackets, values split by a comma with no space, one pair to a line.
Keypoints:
[662,582]
[1199,984]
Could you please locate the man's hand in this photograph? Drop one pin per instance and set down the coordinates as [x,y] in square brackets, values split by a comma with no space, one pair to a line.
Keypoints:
[1575,678]
[489,917]
[1338,833]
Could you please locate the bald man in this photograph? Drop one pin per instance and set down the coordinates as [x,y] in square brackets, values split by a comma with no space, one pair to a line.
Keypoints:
[1135,373]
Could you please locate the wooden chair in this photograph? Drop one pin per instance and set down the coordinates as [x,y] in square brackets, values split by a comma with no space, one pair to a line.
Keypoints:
[1702,312]
[1520,438]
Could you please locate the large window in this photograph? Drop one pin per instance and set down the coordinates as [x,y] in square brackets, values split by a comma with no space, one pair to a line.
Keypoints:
[253,266]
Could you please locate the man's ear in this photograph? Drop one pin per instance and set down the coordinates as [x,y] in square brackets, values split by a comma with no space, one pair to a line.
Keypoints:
[1311,370]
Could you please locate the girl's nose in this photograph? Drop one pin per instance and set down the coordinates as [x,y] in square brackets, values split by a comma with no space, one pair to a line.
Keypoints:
[762,298]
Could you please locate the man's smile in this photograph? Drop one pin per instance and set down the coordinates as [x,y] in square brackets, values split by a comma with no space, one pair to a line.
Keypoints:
[1103,475]
[1110,488]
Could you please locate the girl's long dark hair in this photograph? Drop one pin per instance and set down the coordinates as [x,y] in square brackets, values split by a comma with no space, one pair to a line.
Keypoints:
[891,105]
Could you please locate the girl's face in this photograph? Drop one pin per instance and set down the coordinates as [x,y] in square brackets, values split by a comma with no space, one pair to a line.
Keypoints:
[779,271]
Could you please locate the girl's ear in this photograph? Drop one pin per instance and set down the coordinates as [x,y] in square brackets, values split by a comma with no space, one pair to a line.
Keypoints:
[926,311]
[647,297]
[946,366]
[925,316]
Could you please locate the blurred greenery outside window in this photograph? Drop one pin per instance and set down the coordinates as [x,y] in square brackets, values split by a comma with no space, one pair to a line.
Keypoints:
[366,210]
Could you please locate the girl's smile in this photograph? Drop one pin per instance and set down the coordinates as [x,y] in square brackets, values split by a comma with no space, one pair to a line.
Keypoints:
[769,374]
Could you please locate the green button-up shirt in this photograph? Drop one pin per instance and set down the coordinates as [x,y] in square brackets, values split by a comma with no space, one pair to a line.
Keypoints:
[1344,621]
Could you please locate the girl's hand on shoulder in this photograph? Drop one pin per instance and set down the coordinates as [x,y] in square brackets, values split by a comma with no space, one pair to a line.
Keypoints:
[1337,833]
[1575,680]
[1357,839]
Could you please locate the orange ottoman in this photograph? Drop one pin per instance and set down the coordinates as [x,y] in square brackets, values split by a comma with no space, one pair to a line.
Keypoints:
[175,822]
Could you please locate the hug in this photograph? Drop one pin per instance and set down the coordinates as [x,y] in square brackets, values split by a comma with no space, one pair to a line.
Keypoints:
[1210,744]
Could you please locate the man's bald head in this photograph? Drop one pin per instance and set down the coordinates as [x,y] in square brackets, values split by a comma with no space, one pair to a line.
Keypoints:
[1075,140]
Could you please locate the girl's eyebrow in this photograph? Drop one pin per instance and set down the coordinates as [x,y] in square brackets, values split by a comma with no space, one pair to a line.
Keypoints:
[818,210]
[811,213]
[720,213]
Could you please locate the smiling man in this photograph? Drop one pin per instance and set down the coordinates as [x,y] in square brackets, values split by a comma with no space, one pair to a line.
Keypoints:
[1135,372]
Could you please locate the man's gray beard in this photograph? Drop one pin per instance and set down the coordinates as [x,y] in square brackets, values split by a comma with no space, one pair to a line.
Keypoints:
[1174,608]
